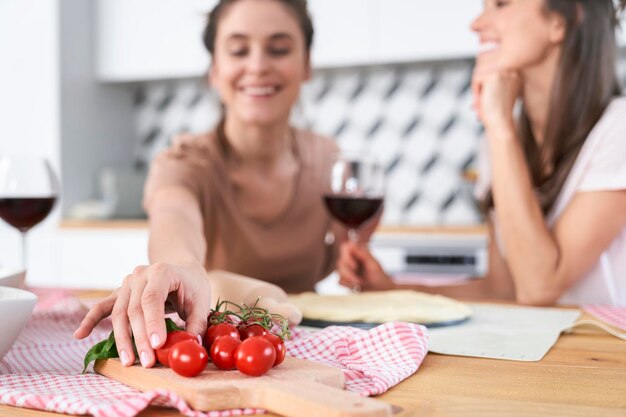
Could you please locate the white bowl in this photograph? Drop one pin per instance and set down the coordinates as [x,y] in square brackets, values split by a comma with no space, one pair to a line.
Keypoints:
[12,277]
[16,306]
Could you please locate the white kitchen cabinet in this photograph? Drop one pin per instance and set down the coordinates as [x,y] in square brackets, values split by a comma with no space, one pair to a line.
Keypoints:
[99,258]
[155,39]
[416,30]
[77,257]
[150,39]
[344,32]
[84,258]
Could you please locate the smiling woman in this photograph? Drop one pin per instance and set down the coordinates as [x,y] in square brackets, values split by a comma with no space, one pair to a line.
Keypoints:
[255,181]
[553,177]
[557,189]
[260,56]
[244,198]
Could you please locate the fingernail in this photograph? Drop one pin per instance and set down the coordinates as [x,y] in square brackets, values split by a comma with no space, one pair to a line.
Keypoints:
[124,358]
[144,358]
[154,340]
[199,339]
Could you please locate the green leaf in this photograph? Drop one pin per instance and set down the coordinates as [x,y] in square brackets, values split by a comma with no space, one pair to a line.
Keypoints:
[107,349]
[103,350]
[170,326]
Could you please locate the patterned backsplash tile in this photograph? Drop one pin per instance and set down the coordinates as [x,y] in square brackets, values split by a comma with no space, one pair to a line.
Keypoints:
[416,119]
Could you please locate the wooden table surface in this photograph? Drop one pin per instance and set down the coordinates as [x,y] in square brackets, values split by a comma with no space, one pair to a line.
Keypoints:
[584,375]
[479,229]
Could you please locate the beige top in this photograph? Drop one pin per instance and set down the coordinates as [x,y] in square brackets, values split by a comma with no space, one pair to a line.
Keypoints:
[291,250]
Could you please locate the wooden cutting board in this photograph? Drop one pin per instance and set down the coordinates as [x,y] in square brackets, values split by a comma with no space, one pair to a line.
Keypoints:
[296,388]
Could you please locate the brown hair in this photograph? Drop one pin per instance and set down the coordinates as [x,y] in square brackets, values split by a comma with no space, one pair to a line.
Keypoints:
[585,83]
[297,7]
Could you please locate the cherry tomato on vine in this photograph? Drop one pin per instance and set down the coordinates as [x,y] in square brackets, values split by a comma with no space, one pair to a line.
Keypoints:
[173,338]
[255,356]
[216,331]
[188,358]
[279,347]
[223,352]
[250,330]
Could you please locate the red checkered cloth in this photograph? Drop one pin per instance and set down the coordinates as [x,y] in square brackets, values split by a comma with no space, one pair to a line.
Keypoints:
[613,315]
[42,370]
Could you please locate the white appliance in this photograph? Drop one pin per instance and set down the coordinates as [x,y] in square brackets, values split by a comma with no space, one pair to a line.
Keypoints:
[432,255]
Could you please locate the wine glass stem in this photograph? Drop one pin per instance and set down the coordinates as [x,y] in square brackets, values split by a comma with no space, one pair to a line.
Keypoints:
[353,235]
[24,255]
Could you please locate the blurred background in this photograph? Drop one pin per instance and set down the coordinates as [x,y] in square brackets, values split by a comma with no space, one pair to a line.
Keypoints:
[100,86]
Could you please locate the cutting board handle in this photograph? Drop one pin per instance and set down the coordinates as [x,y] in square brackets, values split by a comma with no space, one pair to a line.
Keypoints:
[310,398]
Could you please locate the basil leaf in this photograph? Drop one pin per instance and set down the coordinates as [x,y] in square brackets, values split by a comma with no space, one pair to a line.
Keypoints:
[107,349]
[170,326]
[103,350]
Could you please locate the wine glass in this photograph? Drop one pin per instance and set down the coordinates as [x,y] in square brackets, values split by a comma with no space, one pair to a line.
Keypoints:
[356,191]
[28,191]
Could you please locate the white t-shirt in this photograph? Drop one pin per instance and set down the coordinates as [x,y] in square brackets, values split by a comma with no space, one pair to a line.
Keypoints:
[600,166]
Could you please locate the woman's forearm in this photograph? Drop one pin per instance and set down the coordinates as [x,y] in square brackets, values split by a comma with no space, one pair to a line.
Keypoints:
[174,239]
[176,231]
[532,253]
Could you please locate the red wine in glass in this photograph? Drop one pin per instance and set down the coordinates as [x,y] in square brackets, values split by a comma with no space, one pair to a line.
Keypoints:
[356,191]
[352,211]
[28,191]
[25,212]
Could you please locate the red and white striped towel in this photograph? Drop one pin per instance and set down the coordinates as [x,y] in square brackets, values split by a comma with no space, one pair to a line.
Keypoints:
[42,370]
[613,315]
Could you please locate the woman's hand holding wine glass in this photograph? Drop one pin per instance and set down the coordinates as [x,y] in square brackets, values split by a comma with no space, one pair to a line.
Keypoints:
[356,193]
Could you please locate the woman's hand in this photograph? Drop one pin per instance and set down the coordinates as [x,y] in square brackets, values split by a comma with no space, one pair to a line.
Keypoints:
[137,308]
[359,269]
[495,93]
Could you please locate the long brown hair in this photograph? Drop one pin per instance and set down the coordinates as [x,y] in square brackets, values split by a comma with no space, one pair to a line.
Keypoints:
[585,83]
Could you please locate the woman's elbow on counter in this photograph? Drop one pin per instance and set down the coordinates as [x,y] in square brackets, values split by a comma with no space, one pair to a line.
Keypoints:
[544,290]
[538,297]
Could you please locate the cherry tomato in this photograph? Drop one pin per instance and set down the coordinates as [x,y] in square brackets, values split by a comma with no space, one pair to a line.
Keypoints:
[188,358]
[250,330]
[174,337]
[279,347]
[223,352]
[255,356]
[216,331]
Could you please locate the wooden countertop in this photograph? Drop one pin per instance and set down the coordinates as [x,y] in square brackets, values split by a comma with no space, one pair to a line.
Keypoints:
[583,375]
[103,224]
[143,224]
